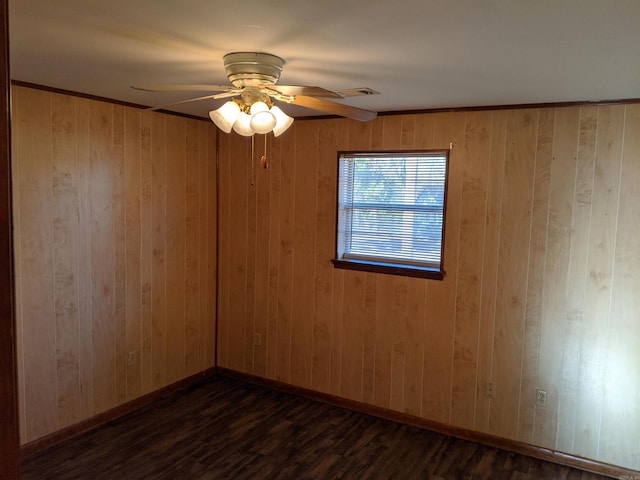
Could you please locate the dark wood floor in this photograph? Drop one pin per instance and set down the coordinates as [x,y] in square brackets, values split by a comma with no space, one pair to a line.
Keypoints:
[226,429]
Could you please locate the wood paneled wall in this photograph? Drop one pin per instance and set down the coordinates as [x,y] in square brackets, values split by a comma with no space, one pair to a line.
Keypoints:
[115,244]
[543,272]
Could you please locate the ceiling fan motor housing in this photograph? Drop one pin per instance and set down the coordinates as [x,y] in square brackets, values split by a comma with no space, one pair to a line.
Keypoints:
[251,69]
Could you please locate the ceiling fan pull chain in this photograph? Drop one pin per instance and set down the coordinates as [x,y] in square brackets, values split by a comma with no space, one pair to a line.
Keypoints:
[263,160]
[251,163]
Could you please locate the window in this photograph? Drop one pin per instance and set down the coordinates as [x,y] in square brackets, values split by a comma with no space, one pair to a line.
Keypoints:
[391,210]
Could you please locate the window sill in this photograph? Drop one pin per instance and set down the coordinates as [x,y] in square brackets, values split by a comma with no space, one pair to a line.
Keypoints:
[390,269]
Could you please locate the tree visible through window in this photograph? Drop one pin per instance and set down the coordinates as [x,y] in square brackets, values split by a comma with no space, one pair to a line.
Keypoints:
[391,209]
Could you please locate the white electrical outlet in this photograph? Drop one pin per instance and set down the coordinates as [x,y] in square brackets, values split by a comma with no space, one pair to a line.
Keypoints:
[541,398]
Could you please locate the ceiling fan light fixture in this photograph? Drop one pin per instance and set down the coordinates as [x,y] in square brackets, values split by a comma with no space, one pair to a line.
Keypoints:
[283,121]
[257,107]
[262,120]
[254,113]
[225,116]
[242,125]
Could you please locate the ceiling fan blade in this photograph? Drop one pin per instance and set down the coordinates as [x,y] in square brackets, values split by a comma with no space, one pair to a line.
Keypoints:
[334,108]
[309,91]
[213,97]
[183,88]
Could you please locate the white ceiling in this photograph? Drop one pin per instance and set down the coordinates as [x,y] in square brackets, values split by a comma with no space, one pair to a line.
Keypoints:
[419,54]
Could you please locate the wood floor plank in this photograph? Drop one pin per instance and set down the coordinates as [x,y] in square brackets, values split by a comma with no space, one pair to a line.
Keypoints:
[225,428]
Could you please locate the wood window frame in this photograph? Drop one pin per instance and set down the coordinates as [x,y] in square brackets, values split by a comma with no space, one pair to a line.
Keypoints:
[401,269]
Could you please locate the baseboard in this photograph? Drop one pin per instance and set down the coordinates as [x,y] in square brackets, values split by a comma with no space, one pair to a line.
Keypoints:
[522,448]
[105,417]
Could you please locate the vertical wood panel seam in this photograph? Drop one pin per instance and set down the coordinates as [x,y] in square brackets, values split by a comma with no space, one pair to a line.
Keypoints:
[219,300]
[312,316]
[150,242]
[77,247]
[424,349]
[184,255]
[140,253]
[89,334]
[54,318]
[215,228]
[254,207]
[527,276]
[184,250]
[247,281]
[362,345]
[22,402]
[126,241]
[595,153]
[140,236]
[207,278]
[375,343]
[114,227]
[202,263]
[569,255]
[482,268]
[254,182]
[293,255]
[613,266]
[593,180]
[497,260]
[571,245]
[164,245]
[53,262]
[14,179]
[246,183]
[426,309]
[458,267]
[276,261]
[315,257]
[266,274]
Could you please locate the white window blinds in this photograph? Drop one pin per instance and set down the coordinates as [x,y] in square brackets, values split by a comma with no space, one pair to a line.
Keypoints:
[391,207]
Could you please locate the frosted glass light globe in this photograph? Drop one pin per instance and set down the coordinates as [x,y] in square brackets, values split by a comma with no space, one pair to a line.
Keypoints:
[225,116]
[242,126]
[262,120]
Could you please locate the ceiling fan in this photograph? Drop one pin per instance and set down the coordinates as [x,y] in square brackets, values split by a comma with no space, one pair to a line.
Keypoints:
[253,77]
